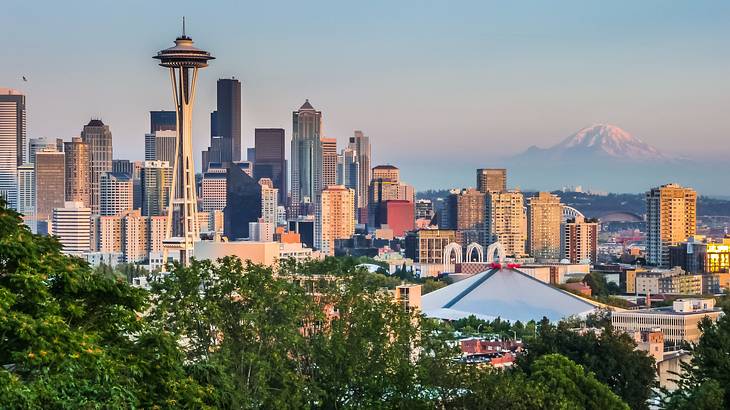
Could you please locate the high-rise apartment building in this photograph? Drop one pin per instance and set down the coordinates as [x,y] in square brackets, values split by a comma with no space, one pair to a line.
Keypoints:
[579,241]
[117,193]
[338,217]
[306,156]
[270,161]
[108,234]
[329,162]
[360,143]
[99,138]
[50,183]
[506,221]
[269,201]
[544,215]
[72,225]
[156,180]
[671,218]
[12,142]
[491,180]
[163,121]
[213,189]
[78,177]
[467,213]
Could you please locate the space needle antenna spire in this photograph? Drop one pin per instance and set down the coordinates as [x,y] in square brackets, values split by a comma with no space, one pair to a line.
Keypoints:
[183,61]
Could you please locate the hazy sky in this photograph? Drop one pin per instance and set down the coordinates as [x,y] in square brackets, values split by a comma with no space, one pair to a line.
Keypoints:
[450,81]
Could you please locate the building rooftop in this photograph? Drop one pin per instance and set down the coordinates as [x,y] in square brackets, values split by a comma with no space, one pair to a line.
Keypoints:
[9,91]
[306,106]
[95,123]
[505,293]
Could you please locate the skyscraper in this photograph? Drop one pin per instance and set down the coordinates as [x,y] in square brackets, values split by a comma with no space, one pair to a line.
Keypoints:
[306,156]
[348,171]
[384,186]
[99,138]
[78,178]
[12,142]
[671,217]
[492,180]
[506,221]
[156,180]
[338,217]
[43,143]
[163,121]
[183,61]
[229,118]
[160,146]
[26,190]
[243,203]
[117,193]
[361,144]
[71,223]
[270,161]
[50,182]
[544,215]
[329,162]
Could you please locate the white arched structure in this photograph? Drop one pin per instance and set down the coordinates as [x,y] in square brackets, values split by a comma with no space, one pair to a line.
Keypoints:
[470,250]
[570,213]
[455,249]
[495,247]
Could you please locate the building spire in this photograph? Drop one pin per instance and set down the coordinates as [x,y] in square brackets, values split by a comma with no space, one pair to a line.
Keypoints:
[183,33]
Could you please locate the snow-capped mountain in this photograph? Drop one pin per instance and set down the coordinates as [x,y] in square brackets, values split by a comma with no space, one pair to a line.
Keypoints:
[596,142]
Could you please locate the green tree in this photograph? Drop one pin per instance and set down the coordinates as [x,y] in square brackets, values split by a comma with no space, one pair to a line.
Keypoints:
[611,356]
[567,385]
[70,338]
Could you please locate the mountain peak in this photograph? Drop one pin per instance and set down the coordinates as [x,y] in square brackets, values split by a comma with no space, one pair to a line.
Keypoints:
[609,140]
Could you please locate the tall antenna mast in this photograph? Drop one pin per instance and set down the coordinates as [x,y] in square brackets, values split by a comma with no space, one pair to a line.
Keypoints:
[183,26]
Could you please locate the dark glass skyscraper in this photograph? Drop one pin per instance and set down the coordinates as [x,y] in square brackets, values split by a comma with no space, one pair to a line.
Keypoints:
[163,121]
[243,202]
[270,160]
[229,118]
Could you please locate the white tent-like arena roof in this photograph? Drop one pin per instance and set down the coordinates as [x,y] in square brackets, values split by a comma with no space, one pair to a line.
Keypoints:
[505,293]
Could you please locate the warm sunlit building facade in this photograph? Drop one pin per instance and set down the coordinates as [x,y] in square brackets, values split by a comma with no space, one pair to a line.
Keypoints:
[338,216]
[506,221]
[671,217]
[544,215]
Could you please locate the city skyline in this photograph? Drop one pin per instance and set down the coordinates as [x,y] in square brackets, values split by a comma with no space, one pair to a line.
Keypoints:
[495,80]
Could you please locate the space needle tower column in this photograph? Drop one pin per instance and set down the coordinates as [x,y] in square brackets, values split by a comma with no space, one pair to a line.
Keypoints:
[182,230]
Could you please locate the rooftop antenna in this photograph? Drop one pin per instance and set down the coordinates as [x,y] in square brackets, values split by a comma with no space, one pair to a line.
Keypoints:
[183,26]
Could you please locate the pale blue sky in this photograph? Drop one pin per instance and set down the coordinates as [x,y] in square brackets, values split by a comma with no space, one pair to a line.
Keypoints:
[450,81]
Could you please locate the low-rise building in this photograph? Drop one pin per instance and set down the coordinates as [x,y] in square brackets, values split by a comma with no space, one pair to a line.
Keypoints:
[678,322]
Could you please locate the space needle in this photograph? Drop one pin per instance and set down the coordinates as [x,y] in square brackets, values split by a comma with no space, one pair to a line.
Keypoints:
[182,229]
